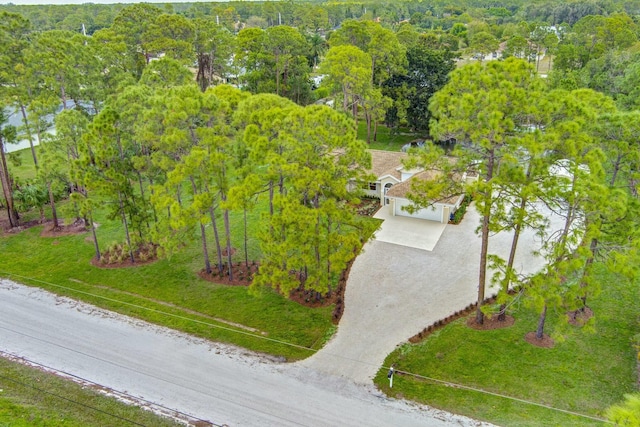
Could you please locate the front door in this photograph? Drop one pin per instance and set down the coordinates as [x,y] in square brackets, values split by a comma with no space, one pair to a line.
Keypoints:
[387,186]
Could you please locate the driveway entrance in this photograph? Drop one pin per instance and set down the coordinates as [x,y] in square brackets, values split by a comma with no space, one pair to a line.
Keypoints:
[396,290]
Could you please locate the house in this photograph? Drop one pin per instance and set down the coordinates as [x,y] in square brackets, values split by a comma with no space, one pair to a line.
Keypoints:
[393,183]
[440,211]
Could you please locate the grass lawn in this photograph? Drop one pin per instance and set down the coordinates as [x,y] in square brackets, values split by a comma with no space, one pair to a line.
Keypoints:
[167,292]
[387,138]
[32,398]
[20,164]
[585,373]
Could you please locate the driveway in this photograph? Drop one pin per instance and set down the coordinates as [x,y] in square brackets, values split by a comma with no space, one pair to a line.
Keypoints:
[394,290]
[406,231]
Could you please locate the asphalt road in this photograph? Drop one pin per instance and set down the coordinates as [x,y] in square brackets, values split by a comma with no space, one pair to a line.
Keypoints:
[209,381]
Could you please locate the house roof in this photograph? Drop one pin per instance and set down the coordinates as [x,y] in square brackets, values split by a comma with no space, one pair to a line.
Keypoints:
[387,163]
[401,190]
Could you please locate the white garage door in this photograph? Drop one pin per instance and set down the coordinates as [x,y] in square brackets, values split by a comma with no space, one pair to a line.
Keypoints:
[433,213]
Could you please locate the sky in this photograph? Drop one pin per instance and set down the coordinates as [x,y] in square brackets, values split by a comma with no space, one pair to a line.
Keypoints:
[100,1]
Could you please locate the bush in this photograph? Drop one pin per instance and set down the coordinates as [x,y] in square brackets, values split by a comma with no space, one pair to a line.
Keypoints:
[459,214]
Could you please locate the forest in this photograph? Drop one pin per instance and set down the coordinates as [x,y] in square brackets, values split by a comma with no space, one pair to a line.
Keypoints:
[245,127]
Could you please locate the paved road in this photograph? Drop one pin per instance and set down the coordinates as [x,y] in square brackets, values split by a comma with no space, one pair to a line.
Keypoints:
[395,291]
[206,380]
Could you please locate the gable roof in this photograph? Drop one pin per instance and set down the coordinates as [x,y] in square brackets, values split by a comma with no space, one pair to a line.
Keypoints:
[387,163]
[400,190]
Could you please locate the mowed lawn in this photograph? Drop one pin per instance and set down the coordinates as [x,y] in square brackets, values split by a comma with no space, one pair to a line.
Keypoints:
[387,139]
[30,397]
[585,373]
[168,292]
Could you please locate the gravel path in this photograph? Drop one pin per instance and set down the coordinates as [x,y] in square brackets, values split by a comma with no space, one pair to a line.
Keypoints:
[394,291]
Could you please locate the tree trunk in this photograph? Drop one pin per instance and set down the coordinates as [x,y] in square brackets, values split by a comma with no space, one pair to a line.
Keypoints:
[246,245]
[63,96]
[616,168]
[486,217]
[126,227]
[541,320]
[593,247]
[345,98]
[54,212]
[514,246]
[270,198]
[5,180]
[28,129]
[277,75]
[146,218]
[216,236]
[203,234]
[205,251]
[367,115]
[227,231]
[95,237]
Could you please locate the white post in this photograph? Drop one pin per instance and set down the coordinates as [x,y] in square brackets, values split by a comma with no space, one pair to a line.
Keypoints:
[390,376]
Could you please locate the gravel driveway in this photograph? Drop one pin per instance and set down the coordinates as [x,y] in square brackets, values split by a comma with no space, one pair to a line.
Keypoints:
[394,291]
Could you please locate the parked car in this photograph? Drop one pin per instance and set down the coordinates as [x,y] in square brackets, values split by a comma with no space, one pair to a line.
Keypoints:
[416,143]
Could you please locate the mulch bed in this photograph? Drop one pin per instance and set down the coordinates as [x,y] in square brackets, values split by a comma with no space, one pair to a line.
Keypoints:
[368,206]
[242,274]
[76,227]
[490,323]
[545,342]
[23,226]
[579,317]
[122,264]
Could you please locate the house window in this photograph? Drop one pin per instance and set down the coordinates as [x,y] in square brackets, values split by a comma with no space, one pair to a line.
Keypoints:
[373,186]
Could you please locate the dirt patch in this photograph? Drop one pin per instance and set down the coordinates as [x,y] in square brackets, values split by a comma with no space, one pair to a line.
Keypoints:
[242,274]
[76,227]
[23,226]
[545,342]
[579,317]
[490,323]
[312,298]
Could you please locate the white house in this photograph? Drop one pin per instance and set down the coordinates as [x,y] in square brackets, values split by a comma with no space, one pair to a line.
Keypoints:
[393,183]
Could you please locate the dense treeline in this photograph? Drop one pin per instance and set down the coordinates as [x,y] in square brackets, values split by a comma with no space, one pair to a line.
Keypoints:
[433,14]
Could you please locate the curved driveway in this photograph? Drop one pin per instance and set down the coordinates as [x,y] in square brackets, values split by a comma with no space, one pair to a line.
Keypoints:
[395,290]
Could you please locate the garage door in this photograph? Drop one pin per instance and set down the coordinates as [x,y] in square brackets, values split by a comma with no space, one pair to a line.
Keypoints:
[433,213]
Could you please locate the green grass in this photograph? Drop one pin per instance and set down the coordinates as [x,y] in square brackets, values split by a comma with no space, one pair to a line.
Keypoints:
[387,139]
[166,292]
[30,397]
[169,291]
[585,373]
[21,164]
